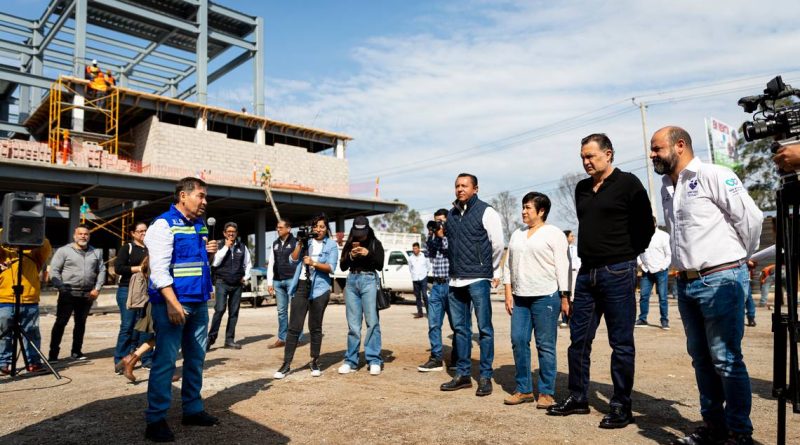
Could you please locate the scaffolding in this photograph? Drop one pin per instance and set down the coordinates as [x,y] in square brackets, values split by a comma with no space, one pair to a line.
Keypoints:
[105,104]
[125,221]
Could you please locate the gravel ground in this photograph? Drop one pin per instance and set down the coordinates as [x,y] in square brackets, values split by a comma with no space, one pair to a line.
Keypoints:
[93,405]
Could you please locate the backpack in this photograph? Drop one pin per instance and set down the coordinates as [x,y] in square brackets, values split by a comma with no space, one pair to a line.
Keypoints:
[137,291]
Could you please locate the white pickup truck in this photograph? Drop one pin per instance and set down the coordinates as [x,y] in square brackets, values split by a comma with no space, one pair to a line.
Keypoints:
[395,274]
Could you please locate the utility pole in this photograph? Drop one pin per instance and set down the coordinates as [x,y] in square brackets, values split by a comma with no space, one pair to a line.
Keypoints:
[651,188]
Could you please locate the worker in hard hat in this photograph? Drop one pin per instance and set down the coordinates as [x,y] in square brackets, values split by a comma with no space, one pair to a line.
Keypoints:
[92,70]
[110,81]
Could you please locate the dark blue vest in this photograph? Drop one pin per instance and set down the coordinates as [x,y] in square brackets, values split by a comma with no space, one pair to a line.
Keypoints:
[231,269]
[281,268]
[470,251]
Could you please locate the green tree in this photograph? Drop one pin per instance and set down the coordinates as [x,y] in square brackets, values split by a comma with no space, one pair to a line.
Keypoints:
[403,220]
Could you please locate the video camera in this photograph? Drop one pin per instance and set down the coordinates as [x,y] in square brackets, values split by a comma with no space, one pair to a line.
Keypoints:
[434,225]
[781,123]
[304,233]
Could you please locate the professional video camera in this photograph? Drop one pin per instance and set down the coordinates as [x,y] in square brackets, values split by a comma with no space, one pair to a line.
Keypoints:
[768,121]
[304,233]
[434,225]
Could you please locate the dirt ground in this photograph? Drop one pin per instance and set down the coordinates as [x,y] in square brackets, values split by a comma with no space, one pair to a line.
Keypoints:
[93,405]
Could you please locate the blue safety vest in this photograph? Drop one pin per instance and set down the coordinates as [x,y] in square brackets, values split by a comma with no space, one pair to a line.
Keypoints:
[189,266]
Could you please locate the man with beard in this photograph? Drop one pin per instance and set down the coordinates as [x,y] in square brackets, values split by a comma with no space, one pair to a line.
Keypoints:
[715,227]
[616,223]
[180,287]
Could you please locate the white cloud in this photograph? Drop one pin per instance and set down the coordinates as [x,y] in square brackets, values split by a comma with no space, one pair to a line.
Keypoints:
[488,70]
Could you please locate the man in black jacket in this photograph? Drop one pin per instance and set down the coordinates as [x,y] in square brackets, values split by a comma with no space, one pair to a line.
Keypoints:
[232,269]
[615,224]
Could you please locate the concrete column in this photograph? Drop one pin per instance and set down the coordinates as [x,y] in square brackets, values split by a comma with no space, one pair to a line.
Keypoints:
[340,149]
[261,237]
[123,80]
[261,136]
[202,123]
[78,112]
[74,214]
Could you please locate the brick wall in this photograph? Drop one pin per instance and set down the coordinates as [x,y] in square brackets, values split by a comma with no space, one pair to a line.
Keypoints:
[176,151]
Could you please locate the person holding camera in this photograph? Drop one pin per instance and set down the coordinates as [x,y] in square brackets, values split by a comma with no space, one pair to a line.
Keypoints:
[232,270]
[314,259]
[32,265]
[362,255]
[419,266]
[179,290]
[128,262]
[787,158]
[78,272]
[279,277]
[437,302]
[475,236]
[715,228]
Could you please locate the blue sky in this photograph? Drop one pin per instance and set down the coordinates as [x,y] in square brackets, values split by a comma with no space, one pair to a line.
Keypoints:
[504,89]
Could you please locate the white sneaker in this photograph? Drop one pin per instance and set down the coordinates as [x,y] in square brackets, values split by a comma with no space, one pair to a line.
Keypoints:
[374,369]
[346,369]
[278,375]
[316,373]
[282,372]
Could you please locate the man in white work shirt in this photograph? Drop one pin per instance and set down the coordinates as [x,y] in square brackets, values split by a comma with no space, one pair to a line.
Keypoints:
[475,247]
[715,227]
[419,266]
[655,270]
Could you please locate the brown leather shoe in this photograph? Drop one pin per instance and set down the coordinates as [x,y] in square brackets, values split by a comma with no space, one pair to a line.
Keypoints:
[545,401]
[277,344]
[128,363]
[518,397]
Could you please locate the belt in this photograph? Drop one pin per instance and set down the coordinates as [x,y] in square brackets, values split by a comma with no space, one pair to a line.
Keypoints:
[362,271]
[440,280]
[693,274]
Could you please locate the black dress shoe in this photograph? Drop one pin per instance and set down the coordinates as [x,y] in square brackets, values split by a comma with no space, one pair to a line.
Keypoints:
[159,432]
[458,382]
[707,434]
[569,406]
[484,387]
[233,346]
[200,419]
[619,417]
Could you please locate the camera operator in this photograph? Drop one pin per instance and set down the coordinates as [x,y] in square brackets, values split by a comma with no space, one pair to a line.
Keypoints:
[788,158]
[437,301]
[29,309]
[716,227]
[232,270]
[309,291]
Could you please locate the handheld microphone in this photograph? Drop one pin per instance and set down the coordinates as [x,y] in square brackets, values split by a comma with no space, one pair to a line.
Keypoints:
[211,222]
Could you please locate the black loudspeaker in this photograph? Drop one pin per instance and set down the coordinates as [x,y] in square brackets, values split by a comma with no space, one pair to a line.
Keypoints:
[23,219]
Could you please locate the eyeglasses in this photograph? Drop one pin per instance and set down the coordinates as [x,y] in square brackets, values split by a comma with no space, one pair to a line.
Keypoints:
[140,231]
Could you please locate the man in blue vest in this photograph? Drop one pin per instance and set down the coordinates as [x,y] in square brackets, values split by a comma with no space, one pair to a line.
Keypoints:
[180,287]
[279,277]
[475,238]
[232,269]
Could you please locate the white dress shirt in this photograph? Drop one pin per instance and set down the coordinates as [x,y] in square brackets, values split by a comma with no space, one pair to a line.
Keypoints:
[220,255]
[538,265]
[494,230]
[711,217]
[657,256]
[158,240]
[419,266]
[574,259]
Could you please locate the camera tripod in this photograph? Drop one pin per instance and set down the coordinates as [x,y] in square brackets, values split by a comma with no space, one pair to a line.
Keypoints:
[785,324]
[15,329]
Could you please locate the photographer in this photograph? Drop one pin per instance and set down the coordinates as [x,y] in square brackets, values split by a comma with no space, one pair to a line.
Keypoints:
[29,309]
[310,291]
[437,302]
[788,158]
[78,272]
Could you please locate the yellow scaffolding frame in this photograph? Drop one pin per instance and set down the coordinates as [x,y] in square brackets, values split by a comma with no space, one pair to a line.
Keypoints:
[126,220]
[107,105]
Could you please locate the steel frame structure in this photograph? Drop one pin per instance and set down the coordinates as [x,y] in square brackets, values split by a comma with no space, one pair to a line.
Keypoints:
[167,43]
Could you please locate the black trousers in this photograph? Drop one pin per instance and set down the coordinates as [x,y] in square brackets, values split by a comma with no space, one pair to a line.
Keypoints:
[300,306]
[67,306]
[228,297]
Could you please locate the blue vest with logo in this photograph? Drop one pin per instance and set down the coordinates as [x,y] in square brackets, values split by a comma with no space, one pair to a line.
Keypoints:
[191,273]
[469,248]
[282,269]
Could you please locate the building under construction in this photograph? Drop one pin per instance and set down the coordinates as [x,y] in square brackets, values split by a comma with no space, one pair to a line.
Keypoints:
[111,156]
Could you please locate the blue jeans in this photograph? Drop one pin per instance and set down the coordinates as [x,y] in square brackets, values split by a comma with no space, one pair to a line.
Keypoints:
[421,294]
[749,304]
[460,298]
[437,308]
[765,290]
[29,321]
[360,304]
[539,314]
[712,309]
[282,302]
[226,296]
[192,338]
[604,291]
[129,339]
[646,286]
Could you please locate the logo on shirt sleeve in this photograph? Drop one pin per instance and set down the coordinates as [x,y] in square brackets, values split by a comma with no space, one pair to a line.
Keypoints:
[733,186]
[694,188]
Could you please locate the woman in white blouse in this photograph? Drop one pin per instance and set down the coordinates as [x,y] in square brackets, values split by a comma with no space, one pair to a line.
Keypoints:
[536,282]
